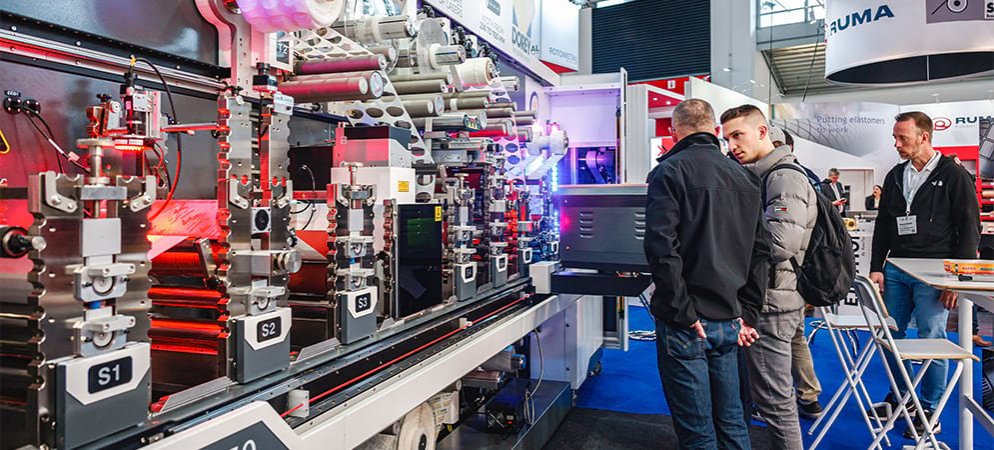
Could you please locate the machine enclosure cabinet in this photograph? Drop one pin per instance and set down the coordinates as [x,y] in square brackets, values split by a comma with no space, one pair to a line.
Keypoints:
[602,227]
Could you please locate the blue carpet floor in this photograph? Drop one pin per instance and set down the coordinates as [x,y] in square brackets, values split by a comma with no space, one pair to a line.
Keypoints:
[629,383]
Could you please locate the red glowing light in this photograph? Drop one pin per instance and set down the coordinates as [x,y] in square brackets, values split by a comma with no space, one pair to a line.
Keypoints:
[129,148]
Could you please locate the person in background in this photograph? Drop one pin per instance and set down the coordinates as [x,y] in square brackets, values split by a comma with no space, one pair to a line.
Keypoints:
[873,200]
[790,212]
[834,190]
[802,365]
[978,340]
[928,209]
[709,260]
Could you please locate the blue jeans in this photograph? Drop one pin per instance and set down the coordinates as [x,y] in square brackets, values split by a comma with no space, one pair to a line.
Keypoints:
[701,384]
[904,295]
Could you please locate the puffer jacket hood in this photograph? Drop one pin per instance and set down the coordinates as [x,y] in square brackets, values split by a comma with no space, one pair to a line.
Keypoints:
[791,210]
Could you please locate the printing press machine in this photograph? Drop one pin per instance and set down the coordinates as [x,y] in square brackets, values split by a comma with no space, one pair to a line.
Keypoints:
[360,270]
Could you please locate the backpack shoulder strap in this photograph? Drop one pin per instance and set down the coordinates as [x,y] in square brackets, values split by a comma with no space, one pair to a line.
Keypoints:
[775,168]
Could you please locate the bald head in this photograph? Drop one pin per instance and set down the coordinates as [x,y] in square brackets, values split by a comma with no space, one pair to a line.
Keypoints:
[693,116]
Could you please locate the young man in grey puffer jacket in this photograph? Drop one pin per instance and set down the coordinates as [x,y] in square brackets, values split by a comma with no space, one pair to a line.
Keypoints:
[791,211]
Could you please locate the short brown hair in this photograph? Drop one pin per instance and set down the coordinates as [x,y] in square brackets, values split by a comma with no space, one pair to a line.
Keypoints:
[695,114]
[922,121]
[742,111]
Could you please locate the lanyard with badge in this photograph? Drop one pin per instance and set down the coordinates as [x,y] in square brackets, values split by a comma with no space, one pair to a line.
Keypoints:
[907,224]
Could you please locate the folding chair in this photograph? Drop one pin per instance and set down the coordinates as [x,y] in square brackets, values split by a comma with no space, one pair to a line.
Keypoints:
[854,363]
[925,350]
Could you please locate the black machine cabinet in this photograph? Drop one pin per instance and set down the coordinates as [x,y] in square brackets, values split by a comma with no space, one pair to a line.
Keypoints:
[602,227]
[419,257]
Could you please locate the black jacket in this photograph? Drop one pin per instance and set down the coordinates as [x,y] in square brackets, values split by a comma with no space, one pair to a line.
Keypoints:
[704,240]
[947,215]
[829,191]
[870,206]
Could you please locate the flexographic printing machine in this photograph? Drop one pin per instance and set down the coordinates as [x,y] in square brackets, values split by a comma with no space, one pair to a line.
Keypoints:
[375,283]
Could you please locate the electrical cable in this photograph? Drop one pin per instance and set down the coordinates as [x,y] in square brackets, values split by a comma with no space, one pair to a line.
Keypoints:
[58,153]
[179,140]
[71,157]
[530,394]
[162,163]
[310,204]
[314,183]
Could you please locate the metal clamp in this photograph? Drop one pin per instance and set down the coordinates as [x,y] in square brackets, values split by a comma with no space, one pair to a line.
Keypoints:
[146,198]
[234,197]
[101,330]
[100,282]
[52,196]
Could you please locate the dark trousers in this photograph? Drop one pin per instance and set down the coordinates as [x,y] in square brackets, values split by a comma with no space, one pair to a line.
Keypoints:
[701,384]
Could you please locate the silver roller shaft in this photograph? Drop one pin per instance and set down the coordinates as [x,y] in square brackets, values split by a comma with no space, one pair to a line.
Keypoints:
[424,108]
[447,121]
[444,76]
[494,113]
[458,104]
[419,87]
[447,55]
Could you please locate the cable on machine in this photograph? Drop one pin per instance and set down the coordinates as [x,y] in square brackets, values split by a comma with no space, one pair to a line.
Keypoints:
[50,137]
[179,138]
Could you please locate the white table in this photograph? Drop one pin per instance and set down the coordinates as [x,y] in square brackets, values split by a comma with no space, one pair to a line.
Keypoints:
[931,272]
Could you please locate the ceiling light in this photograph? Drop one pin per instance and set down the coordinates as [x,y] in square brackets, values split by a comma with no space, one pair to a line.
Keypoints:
[726,69]
[752,81]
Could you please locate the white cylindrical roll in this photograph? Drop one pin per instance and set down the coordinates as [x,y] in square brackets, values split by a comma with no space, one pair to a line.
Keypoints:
[418,429]
[267,16]
[477,72]
[375,30]
[510,83]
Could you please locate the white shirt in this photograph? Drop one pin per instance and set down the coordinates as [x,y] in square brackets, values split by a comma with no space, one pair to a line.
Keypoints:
[913,179]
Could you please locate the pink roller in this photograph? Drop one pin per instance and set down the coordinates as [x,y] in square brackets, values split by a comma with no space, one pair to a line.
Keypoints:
[346,64]
[331,89]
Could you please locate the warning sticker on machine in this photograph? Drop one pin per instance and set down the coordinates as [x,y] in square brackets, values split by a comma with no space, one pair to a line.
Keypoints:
[404,186]
[438,214]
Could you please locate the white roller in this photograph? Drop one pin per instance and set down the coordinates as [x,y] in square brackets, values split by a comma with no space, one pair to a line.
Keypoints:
[418,428]
[477,72]
[268,16]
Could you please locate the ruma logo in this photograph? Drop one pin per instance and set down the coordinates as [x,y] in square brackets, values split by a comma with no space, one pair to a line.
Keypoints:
[857,18]
[941,123]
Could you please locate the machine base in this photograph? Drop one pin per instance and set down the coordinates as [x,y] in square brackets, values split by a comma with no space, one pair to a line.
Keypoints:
[553,401]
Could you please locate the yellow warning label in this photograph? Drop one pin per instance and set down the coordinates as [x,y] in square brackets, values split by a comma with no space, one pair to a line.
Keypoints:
[438,214]
[404,186]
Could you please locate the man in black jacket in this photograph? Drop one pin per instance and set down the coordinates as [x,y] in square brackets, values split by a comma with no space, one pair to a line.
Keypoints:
[928,209]
[709,258]
[834,190]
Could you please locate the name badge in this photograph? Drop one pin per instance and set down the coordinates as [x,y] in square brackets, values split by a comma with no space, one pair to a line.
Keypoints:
[907,225]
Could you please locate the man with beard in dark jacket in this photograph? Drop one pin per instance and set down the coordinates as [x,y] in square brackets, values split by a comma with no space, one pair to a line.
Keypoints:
[709,259]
